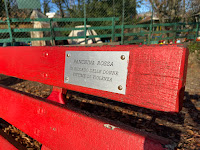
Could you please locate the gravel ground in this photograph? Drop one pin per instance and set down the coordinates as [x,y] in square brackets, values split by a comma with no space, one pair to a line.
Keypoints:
[182,128]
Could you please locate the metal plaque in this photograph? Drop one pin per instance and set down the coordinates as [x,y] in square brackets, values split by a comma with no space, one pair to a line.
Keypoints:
[102,70]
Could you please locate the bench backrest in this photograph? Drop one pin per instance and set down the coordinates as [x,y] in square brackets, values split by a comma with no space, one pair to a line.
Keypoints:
[152,76]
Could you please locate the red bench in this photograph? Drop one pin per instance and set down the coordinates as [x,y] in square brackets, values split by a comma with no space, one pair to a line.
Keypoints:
[149,76]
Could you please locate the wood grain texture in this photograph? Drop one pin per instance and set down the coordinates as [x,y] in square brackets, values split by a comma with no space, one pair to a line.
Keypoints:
[156,74]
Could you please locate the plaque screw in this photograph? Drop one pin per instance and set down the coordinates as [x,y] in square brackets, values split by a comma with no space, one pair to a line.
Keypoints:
[68,55]
[120,87]
[123,57]
[66,79]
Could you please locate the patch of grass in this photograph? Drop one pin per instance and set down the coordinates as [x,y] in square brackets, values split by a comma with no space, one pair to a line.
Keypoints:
[194,46]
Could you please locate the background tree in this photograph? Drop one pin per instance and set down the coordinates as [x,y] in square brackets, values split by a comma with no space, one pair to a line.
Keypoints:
[2,8]
[96,8]
[46,6]
[195,6]
[59,4]
[167,9]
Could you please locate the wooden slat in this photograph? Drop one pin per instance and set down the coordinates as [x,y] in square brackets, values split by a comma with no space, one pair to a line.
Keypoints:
[63,127]
[7,142]
[46,65]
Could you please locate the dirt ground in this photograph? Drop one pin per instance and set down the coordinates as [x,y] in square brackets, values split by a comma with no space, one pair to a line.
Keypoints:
[182,128]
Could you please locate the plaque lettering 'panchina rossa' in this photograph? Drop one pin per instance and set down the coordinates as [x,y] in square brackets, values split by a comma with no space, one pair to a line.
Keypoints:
[102,70]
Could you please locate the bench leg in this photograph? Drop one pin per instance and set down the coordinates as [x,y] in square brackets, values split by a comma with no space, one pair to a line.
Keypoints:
[57,95]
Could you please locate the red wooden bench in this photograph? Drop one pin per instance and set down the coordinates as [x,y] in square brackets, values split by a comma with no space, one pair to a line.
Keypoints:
[152,77]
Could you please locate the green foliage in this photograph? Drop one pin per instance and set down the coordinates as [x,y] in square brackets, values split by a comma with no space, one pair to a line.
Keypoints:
[2,8]
[98,8]
[194,46]
[46,6]
[111,8]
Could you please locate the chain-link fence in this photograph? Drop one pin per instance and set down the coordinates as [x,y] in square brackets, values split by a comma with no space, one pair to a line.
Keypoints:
[15,15]
[53,22]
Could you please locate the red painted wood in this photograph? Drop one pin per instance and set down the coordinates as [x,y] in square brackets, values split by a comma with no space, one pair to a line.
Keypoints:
[57,95]
[60,127]
[7,142]
[156,74]
[4,144]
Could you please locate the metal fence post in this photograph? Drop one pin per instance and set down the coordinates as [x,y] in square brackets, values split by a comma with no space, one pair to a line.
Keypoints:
[122,27]
[149,36]
[175,28]
[52,32]
[197,30]
[8,22]
[113,29]
[150,27]
[85,24]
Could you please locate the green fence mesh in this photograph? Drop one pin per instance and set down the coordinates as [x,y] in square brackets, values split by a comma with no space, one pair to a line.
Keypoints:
[53,22]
